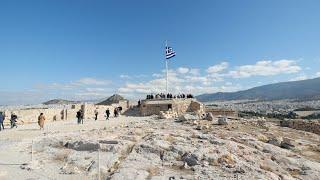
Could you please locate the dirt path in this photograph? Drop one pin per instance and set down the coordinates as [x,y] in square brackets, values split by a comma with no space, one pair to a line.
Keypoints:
[15,144]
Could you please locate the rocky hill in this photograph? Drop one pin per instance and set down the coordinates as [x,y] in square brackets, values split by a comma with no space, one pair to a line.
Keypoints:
[59,102]
[302,90]
[112,100]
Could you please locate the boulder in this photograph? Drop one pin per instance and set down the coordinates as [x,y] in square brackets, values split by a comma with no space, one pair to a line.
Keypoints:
[190,159]
[286,143]
[209,117]
[285,123]
[108,142]
[83,146]
[274,141]
[262,138]
[222,121]
[188,117]
[227,159]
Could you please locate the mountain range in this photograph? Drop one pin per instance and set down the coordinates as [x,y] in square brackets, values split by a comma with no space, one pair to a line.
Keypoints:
[60,102]
[300,90]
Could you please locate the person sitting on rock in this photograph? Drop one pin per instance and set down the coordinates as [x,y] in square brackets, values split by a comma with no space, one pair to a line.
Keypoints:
[41,120]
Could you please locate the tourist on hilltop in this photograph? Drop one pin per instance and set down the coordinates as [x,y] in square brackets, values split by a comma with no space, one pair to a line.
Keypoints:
[82,116]
[139,103]
[115,112]
[1,120]
[79,115]
[41,120]
[107,114]
[13,120]
[119,110]
[96,113]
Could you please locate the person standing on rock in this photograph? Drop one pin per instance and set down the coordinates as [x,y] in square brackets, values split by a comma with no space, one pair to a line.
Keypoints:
[1,120]
[41,120]
[96,113]
[107,114]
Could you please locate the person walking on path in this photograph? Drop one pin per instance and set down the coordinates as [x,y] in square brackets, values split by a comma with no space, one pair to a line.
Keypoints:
[1,120]
[115,112]
[13,120]
[41,120]
[107,114]
[96,113]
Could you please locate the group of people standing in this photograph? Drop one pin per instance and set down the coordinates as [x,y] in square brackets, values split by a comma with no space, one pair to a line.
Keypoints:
[42,118]
[14,119]
[169,96]
[117,111]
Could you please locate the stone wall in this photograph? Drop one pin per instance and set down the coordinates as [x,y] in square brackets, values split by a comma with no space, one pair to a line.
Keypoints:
[179,106]
[31,115]
[62,113]
[304,125]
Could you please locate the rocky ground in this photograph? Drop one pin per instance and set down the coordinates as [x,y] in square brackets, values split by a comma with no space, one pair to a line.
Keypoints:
[152,148]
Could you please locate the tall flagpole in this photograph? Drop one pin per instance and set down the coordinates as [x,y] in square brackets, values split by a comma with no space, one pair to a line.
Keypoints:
[167,73]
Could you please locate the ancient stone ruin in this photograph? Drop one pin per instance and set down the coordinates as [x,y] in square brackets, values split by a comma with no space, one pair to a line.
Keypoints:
[170,107]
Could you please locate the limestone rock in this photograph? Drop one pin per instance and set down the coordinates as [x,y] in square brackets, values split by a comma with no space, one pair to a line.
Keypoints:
[287,143]
[262,138]
[188,117]
[83,146]
[222,121]
[209,117]
[274,141]
[190,159]
[227,160]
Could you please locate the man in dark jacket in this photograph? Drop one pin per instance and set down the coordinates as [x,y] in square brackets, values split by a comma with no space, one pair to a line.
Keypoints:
[79,115]
[1,120]
[107,114]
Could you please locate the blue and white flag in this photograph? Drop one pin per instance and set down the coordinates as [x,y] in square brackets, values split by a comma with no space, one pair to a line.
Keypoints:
[169,52]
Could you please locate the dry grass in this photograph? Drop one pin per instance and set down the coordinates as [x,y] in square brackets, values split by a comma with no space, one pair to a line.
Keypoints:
[170,139]
[266,168]
[227,159]
[153,171]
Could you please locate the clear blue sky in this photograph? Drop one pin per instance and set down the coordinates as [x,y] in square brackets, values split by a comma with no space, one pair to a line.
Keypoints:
[59,48]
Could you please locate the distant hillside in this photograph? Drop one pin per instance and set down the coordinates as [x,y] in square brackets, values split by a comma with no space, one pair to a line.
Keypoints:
[302,90]
[112,100]
[59,102]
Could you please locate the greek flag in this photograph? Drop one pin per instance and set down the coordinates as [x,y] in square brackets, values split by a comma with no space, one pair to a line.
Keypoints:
[169,52]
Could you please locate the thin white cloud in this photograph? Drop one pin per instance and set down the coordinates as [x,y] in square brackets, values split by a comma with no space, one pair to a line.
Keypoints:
[318,74]
[124,76]
[182,70]
[194,71]
[218,68]
[91,81]
[299,78]
[266,68]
